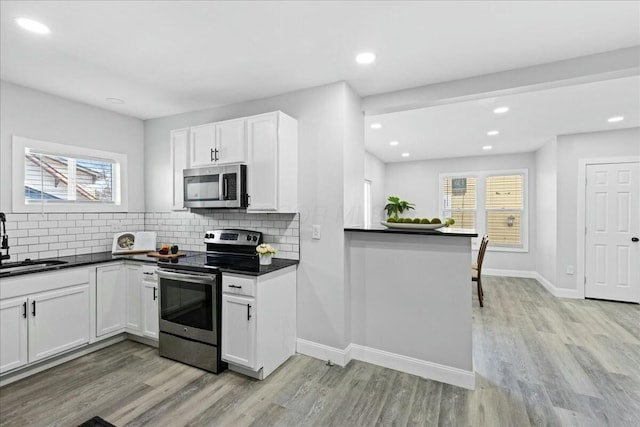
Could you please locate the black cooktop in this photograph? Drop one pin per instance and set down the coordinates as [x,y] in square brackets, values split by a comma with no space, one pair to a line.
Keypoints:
[199,263]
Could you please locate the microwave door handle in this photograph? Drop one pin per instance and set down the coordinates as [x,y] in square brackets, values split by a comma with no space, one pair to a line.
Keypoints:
[225,185]
[221,188]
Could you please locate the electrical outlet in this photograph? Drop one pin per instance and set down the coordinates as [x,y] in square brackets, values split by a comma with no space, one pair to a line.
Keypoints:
[569,269]
[315,232]
[116,225]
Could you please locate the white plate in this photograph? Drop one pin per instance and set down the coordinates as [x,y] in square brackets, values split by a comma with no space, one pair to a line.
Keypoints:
[408,225]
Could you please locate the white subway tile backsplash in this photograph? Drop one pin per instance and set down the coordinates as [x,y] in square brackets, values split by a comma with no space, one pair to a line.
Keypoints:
[66,252]
[59,234]
[28,241]
[38,232]
[27,224]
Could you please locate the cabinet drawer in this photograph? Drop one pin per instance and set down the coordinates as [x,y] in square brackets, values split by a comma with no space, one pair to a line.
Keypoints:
[149,273]
[241,285]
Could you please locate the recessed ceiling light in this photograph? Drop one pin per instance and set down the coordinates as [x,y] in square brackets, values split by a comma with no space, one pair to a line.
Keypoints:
[405,154]
[487,147]
[493,132]
[115,100]
[376,125]
[393,142]
[33,26]
[365,58]
[501,110]
[615,119]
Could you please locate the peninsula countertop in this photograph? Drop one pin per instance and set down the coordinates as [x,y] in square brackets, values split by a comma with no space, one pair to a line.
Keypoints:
[444,231]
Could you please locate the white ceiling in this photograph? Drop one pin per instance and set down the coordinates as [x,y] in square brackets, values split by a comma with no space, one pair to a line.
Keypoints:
[459,130]
[168,57]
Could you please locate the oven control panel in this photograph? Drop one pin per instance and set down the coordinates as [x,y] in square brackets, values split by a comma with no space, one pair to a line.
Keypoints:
[233,237]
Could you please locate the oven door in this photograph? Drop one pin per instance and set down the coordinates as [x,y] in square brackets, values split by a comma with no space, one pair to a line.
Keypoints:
[187,305]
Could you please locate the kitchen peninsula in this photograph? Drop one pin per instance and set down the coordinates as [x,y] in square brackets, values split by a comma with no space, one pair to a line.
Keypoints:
[411,300]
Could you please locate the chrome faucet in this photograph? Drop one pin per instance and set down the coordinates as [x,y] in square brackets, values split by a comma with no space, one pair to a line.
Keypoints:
[5,238]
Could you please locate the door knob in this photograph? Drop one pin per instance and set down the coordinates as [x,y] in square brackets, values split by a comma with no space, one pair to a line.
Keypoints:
[634,239]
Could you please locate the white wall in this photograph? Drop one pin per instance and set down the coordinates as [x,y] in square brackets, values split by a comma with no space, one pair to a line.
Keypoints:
[417,182]
[546,210]
[321,119]
[375,171]
[38,115]
[353,160]
[572,148]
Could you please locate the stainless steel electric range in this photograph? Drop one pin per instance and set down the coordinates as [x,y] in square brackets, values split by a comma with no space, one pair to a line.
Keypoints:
[190,297]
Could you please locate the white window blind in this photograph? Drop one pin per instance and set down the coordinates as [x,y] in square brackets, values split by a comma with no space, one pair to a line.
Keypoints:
[459,200]
[490,202]
[504,206]
[57,178]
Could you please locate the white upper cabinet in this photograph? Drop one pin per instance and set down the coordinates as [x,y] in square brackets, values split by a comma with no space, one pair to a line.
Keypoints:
[218,143]
[231,141]
[272,169]
[179,162]
[267,143]
[203,145]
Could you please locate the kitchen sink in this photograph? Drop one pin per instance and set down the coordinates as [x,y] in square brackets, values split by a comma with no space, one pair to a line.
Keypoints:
[27,265]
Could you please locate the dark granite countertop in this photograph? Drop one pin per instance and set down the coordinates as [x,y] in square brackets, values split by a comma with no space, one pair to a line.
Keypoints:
[194,259]
[444,231]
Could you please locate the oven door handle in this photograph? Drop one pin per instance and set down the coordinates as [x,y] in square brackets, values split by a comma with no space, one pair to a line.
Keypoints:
[187,277]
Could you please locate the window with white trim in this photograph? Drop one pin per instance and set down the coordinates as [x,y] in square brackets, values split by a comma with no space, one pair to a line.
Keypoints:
[491,202]
[55,177]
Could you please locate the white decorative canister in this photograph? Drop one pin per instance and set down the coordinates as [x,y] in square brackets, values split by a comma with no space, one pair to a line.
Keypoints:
[265,259]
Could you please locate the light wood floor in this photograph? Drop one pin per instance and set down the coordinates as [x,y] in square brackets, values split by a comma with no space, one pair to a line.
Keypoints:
[539,361]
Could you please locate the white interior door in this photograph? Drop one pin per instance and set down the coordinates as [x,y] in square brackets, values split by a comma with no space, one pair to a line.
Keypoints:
[612,270]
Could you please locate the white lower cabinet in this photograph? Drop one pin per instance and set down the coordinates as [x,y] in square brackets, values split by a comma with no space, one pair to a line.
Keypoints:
[13,334]
[258,321]
[133,277]
[150,309]
[59,321]
[111,293]
[239,330]
[42,315]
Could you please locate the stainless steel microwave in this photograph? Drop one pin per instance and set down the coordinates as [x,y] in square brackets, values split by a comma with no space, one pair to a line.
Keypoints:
[216,187]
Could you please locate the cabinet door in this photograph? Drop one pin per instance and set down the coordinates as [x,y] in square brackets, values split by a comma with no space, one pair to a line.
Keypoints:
[239,330]
[203,144]
[58,321]
[13,334]
[263,162]
[111,289]
[179,162]
[231,141]
[150,304]
[133,277]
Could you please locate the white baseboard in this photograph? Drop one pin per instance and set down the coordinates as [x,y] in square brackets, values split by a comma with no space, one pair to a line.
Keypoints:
[324,352]
[553,290]
[410,365]
[558,292]
[509,273]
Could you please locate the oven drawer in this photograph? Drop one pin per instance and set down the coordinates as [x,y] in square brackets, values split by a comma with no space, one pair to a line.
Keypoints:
[240,285]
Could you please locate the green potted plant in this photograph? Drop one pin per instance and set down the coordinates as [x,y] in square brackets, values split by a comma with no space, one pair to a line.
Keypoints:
[397,206]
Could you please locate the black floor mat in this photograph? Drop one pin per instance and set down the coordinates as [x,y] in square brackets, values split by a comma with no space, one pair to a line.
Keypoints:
[96,422]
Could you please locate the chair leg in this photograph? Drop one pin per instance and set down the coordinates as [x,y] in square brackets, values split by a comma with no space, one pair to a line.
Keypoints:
[480,293]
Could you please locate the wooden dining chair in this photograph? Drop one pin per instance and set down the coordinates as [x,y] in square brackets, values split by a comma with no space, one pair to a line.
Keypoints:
[476,271]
